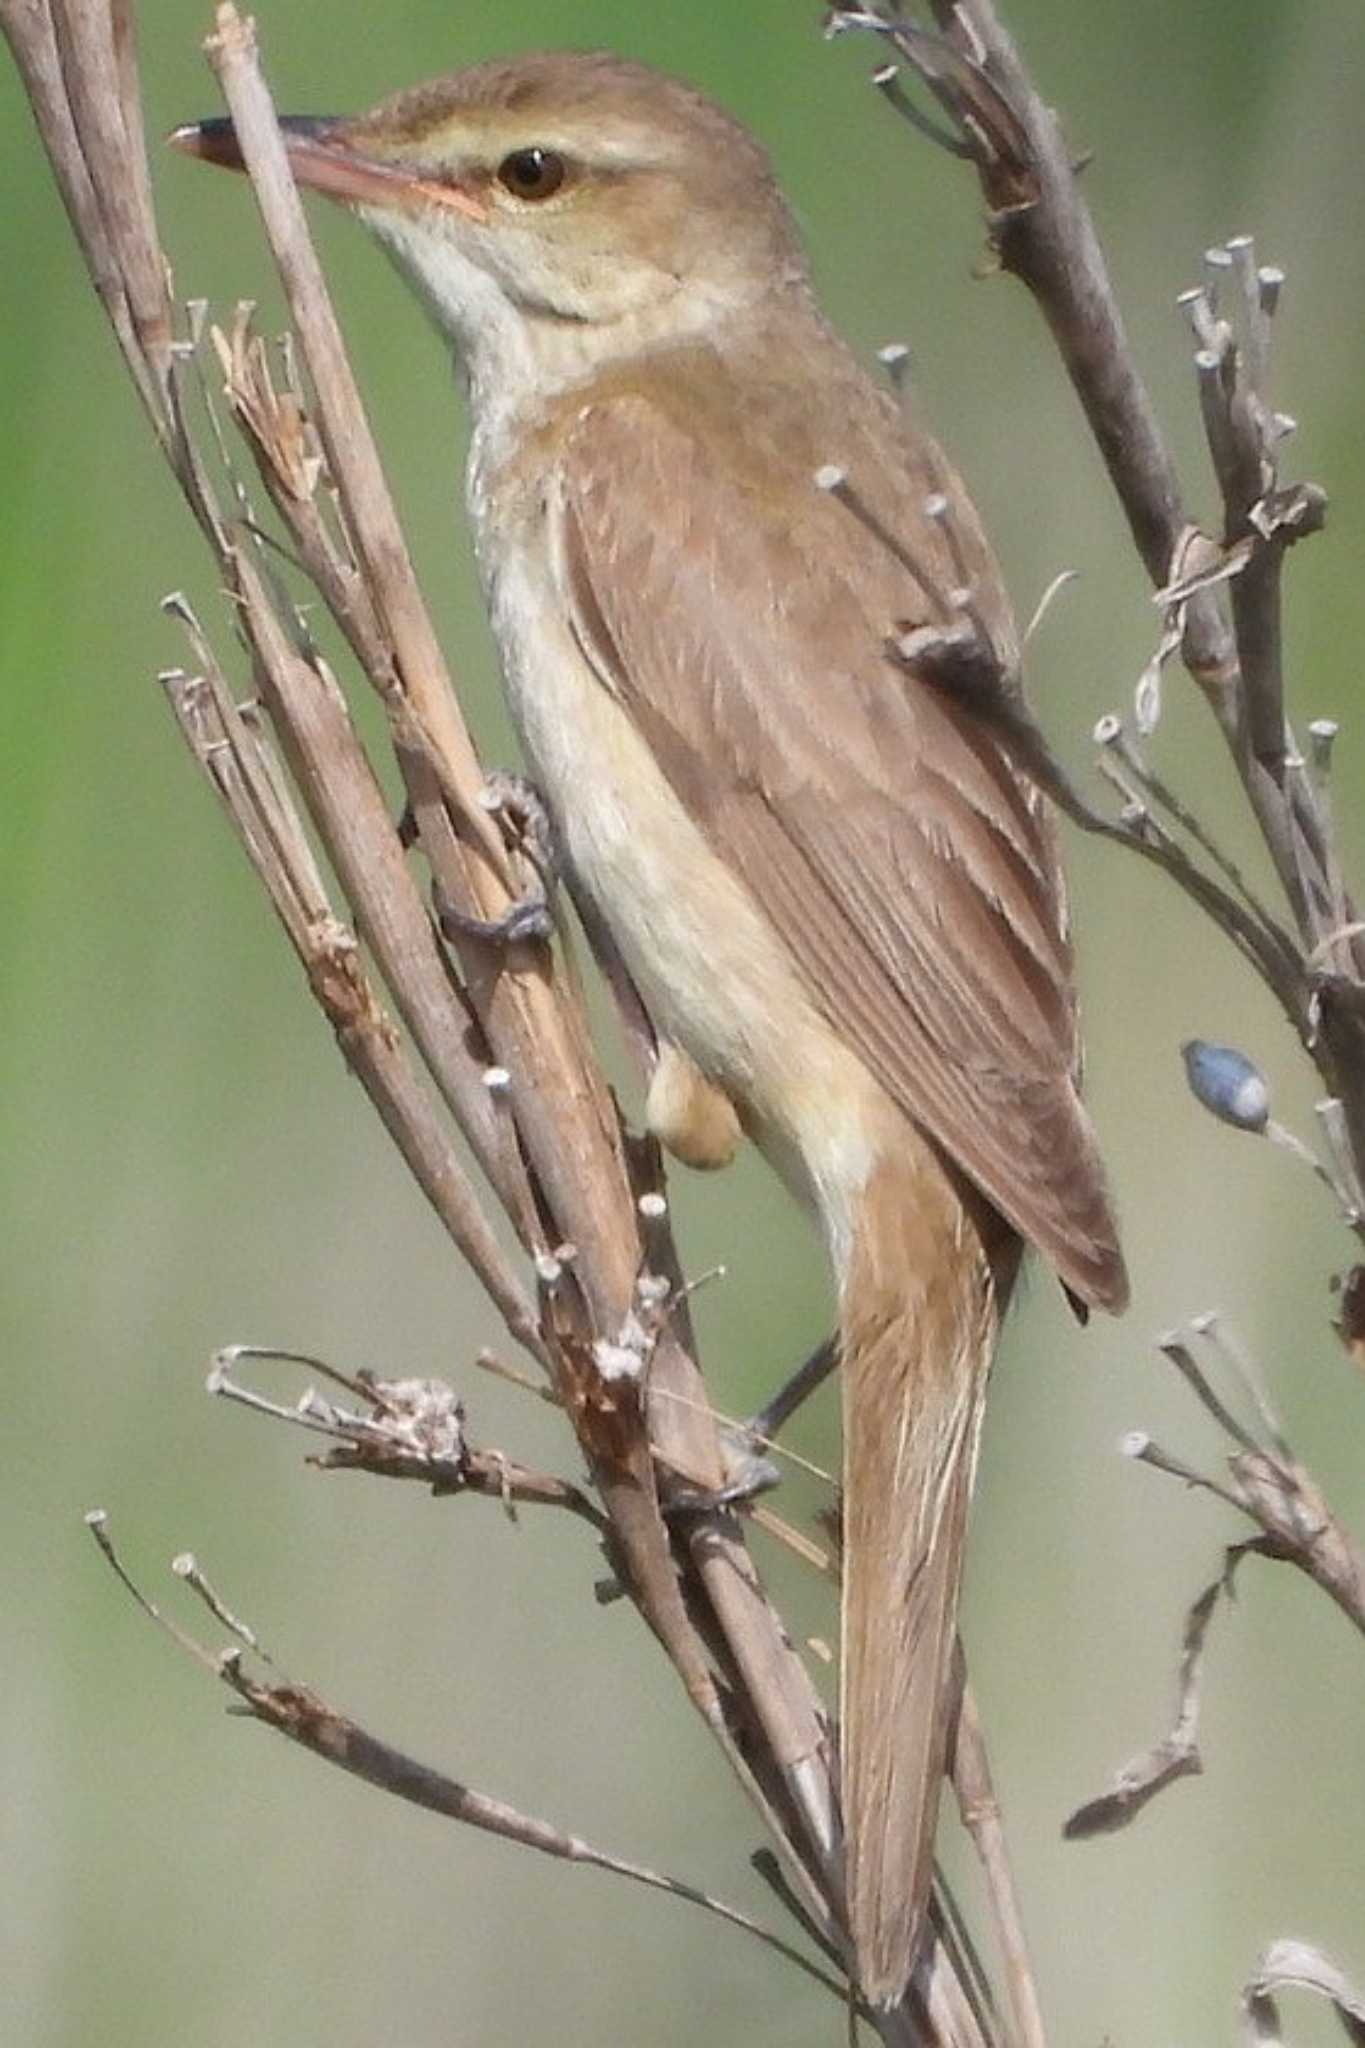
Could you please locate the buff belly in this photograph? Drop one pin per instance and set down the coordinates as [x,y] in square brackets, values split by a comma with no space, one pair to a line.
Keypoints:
[714,975]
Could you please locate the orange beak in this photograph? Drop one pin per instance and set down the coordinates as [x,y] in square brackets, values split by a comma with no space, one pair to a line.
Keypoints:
[323,160]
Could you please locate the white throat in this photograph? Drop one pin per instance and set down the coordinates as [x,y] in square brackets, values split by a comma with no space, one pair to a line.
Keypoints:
[514,354]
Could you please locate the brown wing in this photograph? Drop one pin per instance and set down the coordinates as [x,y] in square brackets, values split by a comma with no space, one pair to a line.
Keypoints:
[907,867]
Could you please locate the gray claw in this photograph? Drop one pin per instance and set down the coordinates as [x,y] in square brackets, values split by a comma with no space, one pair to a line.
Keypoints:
[531,918]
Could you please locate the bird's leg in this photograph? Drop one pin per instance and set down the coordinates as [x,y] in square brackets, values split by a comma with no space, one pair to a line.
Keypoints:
[751,1471]
[520,810]
[776,1412]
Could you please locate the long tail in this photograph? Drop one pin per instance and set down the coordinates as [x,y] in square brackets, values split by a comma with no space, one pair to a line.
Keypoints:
[922,1301]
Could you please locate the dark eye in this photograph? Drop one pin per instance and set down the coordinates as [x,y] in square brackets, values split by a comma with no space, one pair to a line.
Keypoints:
[532,173]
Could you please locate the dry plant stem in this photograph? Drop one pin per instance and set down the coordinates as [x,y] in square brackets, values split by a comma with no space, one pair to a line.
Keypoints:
[773,1676]
[381,549]
[92,164]
[1143,833]
[412,1430]
[530,1027]
[1296,1965]
[56,82]
[1142,1777]
[1112,733]
[235,757]
[347,806]
[298,1713]
[100,119]
[980,1809]
[1044,235]
[295,1711]
[1268,1482]
[1283,1498]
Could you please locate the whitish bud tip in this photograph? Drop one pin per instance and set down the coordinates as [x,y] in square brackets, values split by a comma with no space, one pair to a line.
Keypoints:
[184,1566]
[652,1206]
[1107,729]
[496,1080]
[1134,1443]
[95,1518]
[829,477]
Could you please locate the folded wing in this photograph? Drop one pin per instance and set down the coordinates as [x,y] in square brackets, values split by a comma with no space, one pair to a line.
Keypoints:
[908,868]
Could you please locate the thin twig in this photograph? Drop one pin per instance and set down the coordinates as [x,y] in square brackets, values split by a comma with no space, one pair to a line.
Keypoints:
[979,1805]
[297,1712]
[234,755]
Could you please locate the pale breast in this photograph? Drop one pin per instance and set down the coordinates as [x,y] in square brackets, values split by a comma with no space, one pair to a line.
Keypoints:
[713,973]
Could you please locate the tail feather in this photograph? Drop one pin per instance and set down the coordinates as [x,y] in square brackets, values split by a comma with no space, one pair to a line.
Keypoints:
[922,1299]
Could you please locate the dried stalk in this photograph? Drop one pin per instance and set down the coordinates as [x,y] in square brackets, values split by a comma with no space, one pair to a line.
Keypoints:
[1269,1485]
[1224,617]
[297,1712]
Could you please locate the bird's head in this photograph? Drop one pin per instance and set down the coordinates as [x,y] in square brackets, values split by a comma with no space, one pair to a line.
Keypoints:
[562,196]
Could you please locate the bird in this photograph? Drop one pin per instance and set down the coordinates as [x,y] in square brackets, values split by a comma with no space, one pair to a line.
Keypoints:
[835,886]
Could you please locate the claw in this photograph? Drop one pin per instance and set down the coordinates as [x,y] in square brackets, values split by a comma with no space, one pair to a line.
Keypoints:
[520,809]
[529,918]
[515,800]
[752,1474]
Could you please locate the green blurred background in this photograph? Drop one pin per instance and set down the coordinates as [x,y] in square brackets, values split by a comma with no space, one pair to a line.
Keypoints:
[185,1161]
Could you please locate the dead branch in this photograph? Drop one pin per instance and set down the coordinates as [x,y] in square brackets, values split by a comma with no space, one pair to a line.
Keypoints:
[1267,1483]
[1297,1966]
[1220,598]
[297,1712]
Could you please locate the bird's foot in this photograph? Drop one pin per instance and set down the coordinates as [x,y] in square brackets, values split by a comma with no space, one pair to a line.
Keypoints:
[520,810]
[750,1475]
[750,1471]
[530,917]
